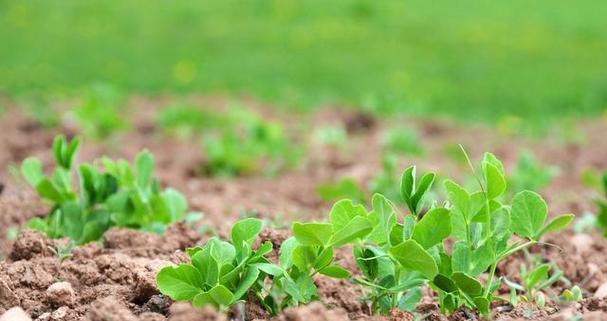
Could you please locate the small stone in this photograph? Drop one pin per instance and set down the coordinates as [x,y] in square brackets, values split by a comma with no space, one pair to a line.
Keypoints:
[15,314]
[595,316]
[60,294]
[593,269]
[582,243]
[59,314]
[601,292]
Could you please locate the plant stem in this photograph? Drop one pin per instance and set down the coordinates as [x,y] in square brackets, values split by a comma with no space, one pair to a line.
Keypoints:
[498,259]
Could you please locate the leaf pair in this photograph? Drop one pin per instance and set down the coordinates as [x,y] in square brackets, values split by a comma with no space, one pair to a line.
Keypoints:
[348,222]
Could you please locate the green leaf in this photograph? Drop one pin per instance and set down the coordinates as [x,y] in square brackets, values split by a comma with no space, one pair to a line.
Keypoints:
[335,271]
[407,186]
[496,182]
[180,283]
[444,283]
[71,151]
[58,148]
[223,252]
[412,256]
[207,266]
[383,219]
[424,185]
[482,304]
[538,275]
[245,231]
[500,221]
[489,158]
[558,223]
[433,228]
[31,169]
[467,283]
[247,281]
[312,233]
[47,190]
[144,164]
[176,204]
[343,212]
[409,301]
[269,268]
[222,295]
[358,227]
[528,214]
[460,257]
[287,247]
[303,257]
[324,258]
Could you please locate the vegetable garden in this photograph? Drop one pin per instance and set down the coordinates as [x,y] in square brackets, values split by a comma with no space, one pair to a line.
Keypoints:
[285,160]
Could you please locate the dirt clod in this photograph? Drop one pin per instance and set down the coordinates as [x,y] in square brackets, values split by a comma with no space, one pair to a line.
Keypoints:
[29,243]
[313,312]
[110,308]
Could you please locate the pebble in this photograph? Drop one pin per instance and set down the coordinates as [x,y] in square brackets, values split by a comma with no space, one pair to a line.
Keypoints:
[582,243]
[60,293]
[601,292]
[15,314]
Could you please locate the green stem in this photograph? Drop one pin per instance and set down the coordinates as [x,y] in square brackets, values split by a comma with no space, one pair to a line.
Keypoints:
[498,259]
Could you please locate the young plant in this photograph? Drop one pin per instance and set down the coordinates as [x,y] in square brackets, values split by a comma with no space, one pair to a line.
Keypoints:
[534,281]
[311,251]
[529,174]
[480,225]
[389,284]
[344,188]
[403,141]
[386,181]
[187,120]
[249,145]
[221,273]
[601,203]
[119,196]
[98,112]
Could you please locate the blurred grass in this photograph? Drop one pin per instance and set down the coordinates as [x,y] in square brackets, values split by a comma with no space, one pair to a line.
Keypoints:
[471,60]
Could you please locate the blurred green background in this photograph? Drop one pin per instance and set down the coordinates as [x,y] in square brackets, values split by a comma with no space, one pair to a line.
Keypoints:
[471,60]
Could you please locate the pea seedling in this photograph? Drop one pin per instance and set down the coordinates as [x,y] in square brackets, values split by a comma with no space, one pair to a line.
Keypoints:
[119,196]
[221,273]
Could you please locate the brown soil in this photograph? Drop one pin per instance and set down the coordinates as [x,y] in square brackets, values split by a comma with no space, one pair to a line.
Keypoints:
[115,281]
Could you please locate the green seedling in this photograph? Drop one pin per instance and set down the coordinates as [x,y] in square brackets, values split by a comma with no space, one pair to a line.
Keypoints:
[335,136]
[388,283]
[529,174]
[572,295]
[221,273]
[311,251]
[98,114]
[403,141]
[601,203]
[344,188]
[386,181]
[481,226]
[534,282]
[247,146]
[63,251]
[187,120]
[118,196]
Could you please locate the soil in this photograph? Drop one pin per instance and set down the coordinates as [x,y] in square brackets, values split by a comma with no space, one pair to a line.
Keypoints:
[115,279]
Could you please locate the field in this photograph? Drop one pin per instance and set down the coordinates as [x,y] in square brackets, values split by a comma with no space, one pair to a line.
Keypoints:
[254,161]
